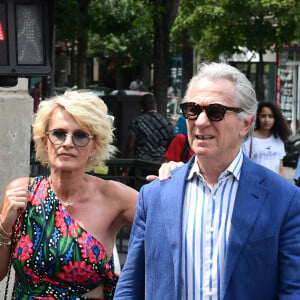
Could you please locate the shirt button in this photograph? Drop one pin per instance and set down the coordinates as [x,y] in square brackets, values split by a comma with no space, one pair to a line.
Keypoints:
[210,261]
[214,197]
[211,229]
[210,293]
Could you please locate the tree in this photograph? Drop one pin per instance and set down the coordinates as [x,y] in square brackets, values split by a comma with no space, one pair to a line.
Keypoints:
[164,14]
[297,31]
[122,31]
[67,28]
[130,29]
[84,20]
[224,27]
[72,20]
[265,25]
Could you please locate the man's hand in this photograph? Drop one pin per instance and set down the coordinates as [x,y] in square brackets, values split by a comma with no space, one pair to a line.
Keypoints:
[165,170]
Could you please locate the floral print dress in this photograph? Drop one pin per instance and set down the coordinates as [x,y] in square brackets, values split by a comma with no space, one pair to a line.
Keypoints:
[53,257]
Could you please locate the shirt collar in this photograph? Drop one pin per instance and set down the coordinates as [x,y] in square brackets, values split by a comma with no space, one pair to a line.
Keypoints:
[234,168]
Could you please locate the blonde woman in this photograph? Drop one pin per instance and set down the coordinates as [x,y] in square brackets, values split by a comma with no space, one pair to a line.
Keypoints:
[59,231]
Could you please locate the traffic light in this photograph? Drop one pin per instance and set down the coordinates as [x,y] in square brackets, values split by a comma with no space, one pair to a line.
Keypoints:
[26,37]
[3,34]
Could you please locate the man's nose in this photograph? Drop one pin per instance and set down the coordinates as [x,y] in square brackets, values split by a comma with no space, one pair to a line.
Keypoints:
[202,117]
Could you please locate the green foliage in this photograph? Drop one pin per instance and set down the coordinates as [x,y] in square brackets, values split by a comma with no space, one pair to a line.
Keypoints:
[121,29]
[224,26]
[66,20]
[297,20]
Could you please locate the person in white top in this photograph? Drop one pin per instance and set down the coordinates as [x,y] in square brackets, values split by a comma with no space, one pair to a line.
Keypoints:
[266,146]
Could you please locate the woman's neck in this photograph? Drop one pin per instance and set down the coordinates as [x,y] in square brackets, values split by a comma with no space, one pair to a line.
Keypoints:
[67,187]
[262,133]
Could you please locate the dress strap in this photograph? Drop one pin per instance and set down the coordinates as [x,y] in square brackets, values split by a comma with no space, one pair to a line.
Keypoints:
[29,185]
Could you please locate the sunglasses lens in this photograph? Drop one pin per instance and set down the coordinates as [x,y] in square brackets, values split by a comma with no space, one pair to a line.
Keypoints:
[215,112]
[57,136]
[191,111]
[80,138]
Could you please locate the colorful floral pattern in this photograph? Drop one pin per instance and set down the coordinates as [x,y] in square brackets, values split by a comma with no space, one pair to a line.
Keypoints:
[23,248]
[55,258]
[90,248]
[65,224]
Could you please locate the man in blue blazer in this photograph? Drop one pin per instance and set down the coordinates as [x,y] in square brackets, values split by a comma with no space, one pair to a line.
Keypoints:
[221,227]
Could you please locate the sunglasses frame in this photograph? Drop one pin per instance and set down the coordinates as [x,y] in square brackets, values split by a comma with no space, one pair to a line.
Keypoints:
[201,108]
[90,137]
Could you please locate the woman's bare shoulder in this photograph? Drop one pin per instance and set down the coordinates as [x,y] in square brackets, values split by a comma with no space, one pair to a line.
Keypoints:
[118,196]
[18,182]
[112,187]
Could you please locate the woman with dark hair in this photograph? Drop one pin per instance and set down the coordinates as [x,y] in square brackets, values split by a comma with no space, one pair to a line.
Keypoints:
[266,146]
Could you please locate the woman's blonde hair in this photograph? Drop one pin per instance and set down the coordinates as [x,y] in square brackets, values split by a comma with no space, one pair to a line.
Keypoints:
[88,110]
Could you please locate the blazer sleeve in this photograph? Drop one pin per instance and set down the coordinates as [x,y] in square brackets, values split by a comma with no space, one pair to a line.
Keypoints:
[289,251]
[131,284]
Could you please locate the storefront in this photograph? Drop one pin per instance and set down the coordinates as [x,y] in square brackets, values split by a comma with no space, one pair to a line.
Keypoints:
[281,79]
[288,86]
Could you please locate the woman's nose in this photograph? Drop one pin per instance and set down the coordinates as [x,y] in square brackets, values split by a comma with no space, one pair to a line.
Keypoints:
[69,139]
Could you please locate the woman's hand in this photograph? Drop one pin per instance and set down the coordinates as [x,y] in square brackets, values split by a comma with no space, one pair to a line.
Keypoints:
[15,199]
[165,170]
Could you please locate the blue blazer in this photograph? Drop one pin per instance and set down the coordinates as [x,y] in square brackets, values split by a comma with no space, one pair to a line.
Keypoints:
[263,258]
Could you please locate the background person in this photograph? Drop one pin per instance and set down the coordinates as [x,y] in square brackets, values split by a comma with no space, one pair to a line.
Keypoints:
[180,126]
[179,150]
[266,146]
[59,231]
[149,134]
[136,85]
[36,94]
[222,227]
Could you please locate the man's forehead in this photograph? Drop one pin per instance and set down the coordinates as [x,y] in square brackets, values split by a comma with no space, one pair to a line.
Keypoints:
[211,85]
[207,91]
[201,99]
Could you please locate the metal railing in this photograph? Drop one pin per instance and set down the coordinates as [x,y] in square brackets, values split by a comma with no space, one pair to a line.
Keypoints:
[128,171]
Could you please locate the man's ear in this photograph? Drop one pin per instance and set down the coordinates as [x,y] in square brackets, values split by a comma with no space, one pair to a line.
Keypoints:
[246,126]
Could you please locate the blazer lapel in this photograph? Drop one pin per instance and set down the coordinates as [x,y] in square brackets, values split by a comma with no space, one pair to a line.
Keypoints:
[172,197]
[249,199]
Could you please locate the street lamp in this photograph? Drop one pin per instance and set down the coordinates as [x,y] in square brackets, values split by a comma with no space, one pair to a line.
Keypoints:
[26,38]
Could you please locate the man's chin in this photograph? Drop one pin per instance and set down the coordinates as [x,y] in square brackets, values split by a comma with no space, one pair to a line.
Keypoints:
[203,153]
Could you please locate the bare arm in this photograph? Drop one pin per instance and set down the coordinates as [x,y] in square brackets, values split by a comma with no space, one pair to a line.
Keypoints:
[129,198]
[123,200]
[281,168]
[15,198]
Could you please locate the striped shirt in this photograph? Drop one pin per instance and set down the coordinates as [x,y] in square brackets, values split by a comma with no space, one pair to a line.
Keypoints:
[205,229]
